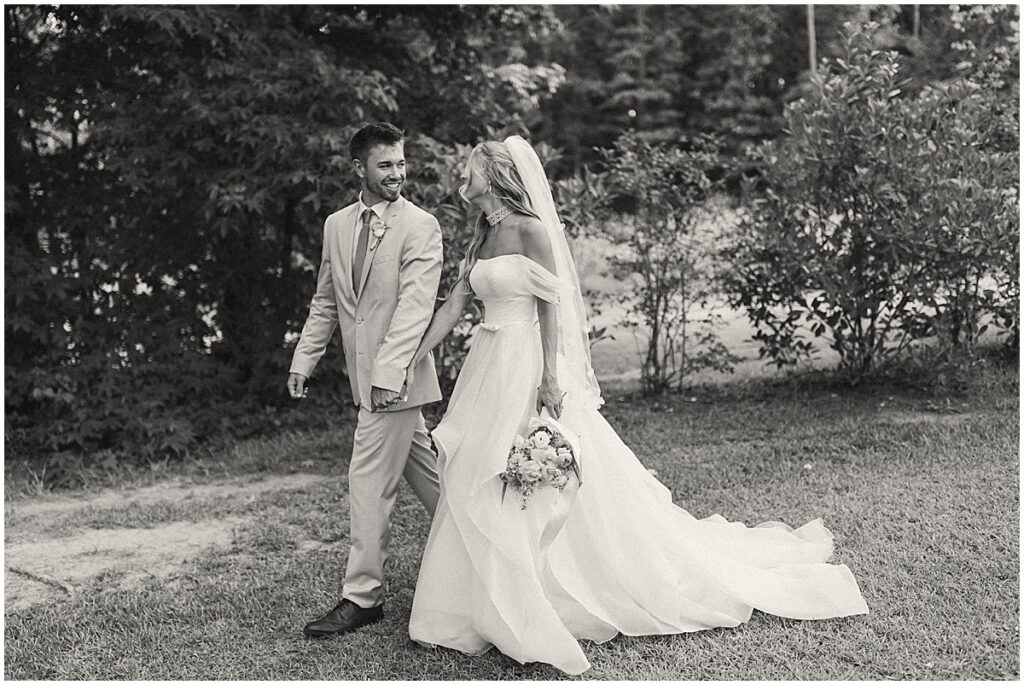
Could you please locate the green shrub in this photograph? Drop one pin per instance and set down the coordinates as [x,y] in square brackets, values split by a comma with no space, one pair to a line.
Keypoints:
[881,220]
[654,202]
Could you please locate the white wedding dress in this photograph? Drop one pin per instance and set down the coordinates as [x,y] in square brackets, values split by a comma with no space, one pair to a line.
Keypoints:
[627,560]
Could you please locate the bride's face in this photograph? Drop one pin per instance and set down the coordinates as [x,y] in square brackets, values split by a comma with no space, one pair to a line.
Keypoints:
[474,182]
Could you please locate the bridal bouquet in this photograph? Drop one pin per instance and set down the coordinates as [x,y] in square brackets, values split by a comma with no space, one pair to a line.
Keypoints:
[544,457]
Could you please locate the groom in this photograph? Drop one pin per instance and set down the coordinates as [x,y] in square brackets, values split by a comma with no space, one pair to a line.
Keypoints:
[378,279]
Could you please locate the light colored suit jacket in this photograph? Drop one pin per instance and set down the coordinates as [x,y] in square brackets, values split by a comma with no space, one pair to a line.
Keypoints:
[383,326]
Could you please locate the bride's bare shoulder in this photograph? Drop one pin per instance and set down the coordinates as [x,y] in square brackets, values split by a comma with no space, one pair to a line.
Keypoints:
[533,236]
[531,231]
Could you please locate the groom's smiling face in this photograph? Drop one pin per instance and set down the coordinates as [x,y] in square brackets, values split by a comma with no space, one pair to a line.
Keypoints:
[382,173]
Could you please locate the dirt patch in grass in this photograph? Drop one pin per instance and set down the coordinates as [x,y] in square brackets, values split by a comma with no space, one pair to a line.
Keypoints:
[42,565]
[121,557]
[171,491]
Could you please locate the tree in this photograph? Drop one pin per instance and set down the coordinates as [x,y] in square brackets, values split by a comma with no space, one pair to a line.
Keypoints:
[812,42]
[169,170]
[682,69]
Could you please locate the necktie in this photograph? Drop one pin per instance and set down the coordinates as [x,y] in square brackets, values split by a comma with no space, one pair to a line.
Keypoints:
[357,263]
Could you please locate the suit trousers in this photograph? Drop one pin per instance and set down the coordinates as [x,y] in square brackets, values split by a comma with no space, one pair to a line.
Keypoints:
[386,446]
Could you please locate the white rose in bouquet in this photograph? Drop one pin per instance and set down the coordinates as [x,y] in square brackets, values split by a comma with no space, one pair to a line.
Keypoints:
[541,439]
[531,472]
[538,455]
[544,456]
[551,472]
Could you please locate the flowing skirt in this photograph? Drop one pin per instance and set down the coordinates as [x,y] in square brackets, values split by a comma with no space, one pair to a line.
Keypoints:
[627,559]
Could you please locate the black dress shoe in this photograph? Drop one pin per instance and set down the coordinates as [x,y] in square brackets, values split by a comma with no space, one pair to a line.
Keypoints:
[345,617]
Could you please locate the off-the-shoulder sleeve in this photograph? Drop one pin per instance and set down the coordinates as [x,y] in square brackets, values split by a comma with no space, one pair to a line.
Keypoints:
[541,282]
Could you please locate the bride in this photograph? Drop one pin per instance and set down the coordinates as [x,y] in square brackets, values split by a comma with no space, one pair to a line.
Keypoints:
[625,559]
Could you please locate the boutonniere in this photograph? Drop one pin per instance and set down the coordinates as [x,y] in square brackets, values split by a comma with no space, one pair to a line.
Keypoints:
[378,228]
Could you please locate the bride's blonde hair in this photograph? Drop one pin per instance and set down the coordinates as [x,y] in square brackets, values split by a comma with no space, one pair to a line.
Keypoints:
[506,185]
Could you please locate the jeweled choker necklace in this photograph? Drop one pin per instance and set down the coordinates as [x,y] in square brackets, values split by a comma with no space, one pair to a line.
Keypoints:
[495,217]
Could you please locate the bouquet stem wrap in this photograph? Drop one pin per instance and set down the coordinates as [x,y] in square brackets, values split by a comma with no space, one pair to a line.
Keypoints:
[557,467]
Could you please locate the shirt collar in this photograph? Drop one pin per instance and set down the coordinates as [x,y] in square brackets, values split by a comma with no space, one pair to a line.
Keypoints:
[378,208]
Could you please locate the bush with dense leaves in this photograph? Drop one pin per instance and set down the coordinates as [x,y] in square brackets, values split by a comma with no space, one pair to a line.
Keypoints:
[883,219]
[654,206]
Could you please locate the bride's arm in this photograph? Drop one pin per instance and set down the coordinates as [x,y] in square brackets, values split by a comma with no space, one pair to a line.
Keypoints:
[445,319]
[537,247]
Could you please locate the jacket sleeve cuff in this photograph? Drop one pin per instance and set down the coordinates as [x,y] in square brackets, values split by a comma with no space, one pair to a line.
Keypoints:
[302,365]
[388,377]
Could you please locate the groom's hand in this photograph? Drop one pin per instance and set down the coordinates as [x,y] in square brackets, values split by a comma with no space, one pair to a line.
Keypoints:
[382,399]
[297,385]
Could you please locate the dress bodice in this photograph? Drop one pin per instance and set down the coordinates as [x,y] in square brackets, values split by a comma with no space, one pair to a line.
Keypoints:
[508,284]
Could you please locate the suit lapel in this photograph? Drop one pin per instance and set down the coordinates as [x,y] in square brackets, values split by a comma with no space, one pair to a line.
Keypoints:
[345,243]
[391,215]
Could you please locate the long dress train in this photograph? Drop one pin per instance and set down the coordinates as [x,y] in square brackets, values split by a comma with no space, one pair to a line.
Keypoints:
[627,559]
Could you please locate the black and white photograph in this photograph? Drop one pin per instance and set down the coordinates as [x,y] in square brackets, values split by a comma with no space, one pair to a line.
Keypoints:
[476,342]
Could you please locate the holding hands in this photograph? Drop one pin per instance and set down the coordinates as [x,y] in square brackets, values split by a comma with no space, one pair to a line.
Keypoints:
[382,399]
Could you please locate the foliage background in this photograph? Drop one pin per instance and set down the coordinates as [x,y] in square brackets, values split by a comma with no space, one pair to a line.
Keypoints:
[886,218]
[168,171]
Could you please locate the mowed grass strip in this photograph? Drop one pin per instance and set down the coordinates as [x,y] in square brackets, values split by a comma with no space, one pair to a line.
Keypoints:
[921,494]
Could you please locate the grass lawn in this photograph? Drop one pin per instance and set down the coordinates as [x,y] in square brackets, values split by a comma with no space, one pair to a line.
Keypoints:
[921,493]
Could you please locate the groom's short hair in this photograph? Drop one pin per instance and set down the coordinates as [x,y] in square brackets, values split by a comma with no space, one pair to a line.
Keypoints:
[368,137]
